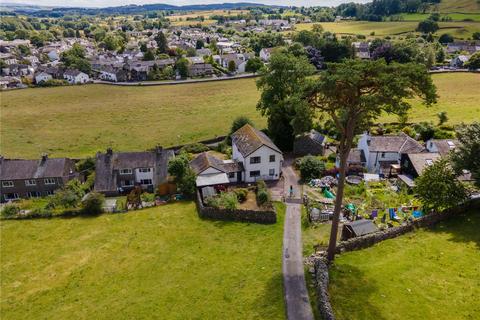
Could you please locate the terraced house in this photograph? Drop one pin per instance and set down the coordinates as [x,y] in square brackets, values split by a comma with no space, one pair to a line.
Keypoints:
[119,172]
[21,178]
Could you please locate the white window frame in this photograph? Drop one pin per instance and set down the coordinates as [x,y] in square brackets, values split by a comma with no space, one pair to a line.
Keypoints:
[254,176]
[146,184]
[145,170]
[29,194]
[125,171]
[15,196]
[49,193]
[254,162]
[270,158]
[29,183]
[271,172]
[8,184]
[50,181]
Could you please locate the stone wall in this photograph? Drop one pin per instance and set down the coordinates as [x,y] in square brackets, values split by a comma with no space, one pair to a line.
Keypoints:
[320,262]
[264,216]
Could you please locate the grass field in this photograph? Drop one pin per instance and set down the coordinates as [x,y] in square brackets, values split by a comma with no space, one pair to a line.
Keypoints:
[161,263]
[464,6]
[454,16]
[78,121]
[457,29]
[429,274]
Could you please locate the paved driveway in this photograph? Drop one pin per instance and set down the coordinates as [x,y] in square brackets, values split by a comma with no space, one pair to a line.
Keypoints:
[295,288]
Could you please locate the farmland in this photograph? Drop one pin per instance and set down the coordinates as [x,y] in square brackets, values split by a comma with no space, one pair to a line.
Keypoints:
[78,121]
[428,274]
[163,261]
[462,29]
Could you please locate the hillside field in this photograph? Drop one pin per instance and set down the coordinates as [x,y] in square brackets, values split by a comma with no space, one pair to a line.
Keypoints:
[78,121]
[461,30]
[163,263]
[429,274]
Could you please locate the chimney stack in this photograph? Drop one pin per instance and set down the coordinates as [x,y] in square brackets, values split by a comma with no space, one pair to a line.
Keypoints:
[158,149]
[109,151]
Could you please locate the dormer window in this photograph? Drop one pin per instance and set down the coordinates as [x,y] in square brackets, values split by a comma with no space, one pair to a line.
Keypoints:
[126,171]
[145,170]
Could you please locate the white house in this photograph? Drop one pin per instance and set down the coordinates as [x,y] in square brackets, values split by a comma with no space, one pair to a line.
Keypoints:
[259,156]
[75,76]
[459,61]
[265,54]
[42,76]
[442,146]
[212,171]
[383,151]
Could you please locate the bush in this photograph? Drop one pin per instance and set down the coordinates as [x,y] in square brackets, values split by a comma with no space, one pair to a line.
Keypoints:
[311,167]
[261,185]
[241,194]
[195,148]
[263,197]
[53,83]
[10,210]
[229,200]
[213,202]
[147,197]
[93,204]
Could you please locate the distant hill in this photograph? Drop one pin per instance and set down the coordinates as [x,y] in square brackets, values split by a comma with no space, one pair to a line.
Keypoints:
[132,9]
[457,6]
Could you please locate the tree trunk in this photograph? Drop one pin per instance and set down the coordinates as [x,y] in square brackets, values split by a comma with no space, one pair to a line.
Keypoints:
[332,245]
[345,147]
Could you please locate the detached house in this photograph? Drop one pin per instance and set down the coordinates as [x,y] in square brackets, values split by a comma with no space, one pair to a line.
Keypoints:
[75,76]
[265,54]
[118,172]
[33,178]
[442,146]
[259,156]
[381,152]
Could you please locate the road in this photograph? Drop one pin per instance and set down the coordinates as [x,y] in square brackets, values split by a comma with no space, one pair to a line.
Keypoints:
[295,288]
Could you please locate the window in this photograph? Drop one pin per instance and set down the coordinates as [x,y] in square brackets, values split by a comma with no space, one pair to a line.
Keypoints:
[11,196]
[255,160]
[49,192]
[127,183]
[7,184]
[146,181]
[33,194]
[255,173]
[145,169]
[383,155]
[231,175]
[30,182]
[272,158]
[49,181]
[271,172]
[125,171]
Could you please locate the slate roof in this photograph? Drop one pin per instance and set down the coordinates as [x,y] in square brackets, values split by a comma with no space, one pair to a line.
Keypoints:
[72,73]
[248,139]
[107,165]
[205,160]
[421,160]
[20,169]
[356,156]
[444,146]
[401,143]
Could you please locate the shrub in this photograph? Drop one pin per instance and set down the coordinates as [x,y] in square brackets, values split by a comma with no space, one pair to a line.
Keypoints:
[93,204]
[147,197]
[311,167]
[213,202]
[195,148]
[263,197]
[10,210]
[241,194]
[442,134]
[229,200]
[261,185]
[53,83]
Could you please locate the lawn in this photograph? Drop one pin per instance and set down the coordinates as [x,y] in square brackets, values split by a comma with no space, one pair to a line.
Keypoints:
[429,274]
[457,29]
[78,121]
[453,16]
[163,263]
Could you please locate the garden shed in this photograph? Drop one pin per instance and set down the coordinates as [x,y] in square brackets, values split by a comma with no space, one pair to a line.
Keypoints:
[358,228]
